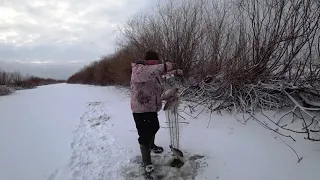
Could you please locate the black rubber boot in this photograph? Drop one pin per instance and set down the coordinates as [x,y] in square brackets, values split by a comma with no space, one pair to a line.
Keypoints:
[146,158]
[154,148]
[177,163]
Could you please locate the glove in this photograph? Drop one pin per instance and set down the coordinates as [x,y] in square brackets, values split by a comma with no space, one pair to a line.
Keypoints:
[169,66]
[176,72]
[179,72]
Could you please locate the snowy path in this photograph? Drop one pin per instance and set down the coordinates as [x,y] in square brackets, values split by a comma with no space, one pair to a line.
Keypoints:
[98,155]
[104,141]
[36,128]
[95,153]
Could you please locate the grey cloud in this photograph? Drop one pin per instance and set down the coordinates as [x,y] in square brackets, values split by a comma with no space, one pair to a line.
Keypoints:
[60,31]
[49,52]
[55,27]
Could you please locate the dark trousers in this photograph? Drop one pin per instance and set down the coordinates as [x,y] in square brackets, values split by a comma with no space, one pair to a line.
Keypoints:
[147,125]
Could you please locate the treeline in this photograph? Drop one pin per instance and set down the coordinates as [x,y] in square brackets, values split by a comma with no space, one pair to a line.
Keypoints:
[109,70]
[18,81]
[243,41]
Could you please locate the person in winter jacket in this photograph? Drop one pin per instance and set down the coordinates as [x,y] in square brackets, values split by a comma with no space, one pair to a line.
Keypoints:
[146,90]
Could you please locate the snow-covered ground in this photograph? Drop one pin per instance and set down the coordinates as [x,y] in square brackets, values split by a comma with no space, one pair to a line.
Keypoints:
[36,128]
[71,132]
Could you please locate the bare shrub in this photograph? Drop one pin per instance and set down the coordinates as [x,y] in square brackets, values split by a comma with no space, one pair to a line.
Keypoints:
[15,80]
[4,90]
[273,63]
[175,30]
[245,55]
[109,70]
[3,77]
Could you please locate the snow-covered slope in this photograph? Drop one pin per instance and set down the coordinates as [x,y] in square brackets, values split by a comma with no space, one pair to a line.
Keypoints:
[36,138]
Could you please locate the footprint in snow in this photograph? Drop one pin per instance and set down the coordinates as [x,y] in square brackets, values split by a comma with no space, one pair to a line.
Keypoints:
[231,130]
[94,103]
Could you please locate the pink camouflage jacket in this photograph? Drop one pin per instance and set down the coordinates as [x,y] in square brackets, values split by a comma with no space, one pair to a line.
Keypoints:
[146,87]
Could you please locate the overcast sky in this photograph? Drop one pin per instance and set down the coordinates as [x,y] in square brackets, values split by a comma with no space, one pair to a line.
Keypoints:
[38,34]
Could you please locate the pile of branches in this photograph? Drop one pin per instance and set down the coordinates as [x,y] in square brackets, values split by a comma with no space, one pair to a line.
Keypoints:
[303,99]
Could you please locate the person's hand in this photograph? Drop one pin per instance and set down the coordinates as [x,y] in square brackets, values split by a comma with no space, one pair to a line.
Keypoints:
[179,72]
[169,66]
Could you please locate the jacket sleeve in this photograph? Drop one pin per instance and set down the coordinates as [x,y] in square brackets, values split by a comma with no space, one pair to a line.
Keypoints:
[142,73]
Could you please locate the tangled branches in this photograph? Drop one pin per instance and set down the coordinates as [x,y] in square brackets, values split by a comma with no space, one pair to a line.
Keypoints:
[303,99]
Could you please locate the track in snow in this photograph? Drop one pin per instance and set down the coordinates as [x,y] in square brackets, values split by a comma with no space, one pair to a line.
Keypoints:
[96,155]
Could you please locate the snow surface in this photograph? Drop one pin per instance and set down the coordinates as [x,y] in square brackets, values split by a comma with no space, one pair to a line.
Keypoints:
[36,128]
[38,141]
